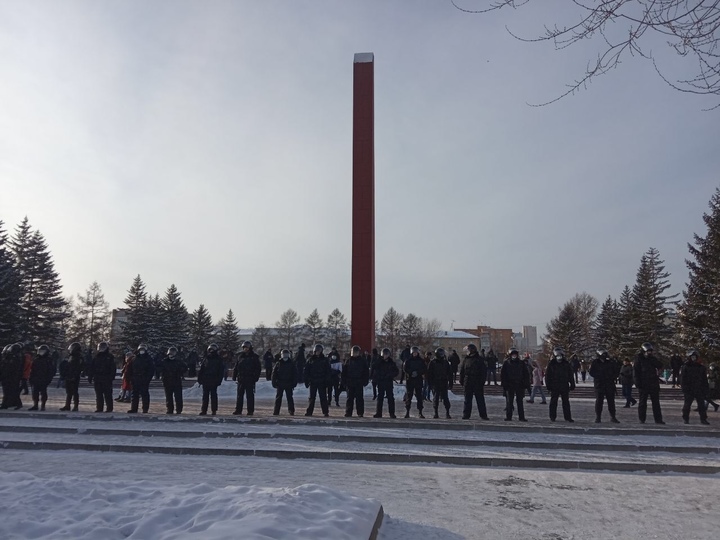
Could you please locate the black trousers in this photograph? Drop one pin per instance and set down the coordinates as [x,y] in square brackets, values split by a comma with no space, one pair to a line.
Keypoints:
[334,385]
[71,393]
[440,392]
[39,394]
[355,398]
[103,394]
[702,406]
[140,391]
[268,373]
[245,389]
[517,395]
[209,394]
[565,397]
[478,393]
[385,391]
[654,395]
[414,386]
[173,398]
[278,400]
[316,389]
[605,395]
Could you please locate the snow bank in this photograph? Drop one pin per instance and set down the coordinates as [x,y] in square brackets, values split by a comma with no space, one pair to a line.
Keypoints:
[76,508]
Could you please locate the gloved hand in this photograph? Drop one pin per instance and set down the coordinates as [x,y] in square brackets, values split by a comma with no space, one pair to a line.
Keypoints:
[307,384]
[450,385]
[90,380]
[414,374]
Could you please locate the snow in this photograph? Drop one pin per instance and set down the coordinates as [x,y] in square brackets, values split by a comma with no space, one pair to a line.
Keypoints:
[81,508]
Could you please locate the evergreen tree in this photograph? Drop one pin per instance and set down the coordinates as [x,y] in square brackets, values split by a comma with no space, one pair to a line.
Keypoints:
[175,330]
[699,313]
[288,329]
[609,326]
[390,329]
[314,327]
[135,329]
[228,338]
[648,316]
[201,329]
[411,329]
[41,307]
[156,323]
[9,293]
[337,329]
[573,328]
[91,317]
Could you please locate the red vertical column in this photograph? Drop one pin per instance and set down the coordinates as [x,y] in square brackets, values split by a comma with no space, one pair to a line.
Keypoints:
[363,220]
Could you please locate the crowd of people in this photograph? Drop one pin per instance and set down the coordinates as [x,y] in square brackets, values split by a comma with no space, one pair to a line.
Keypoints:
[426,378]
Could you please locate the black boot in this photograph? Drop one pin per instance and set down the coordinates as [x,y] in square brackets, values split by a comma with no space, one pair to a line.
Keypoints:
[407,413]
[420,414]
[436,414]
[447,415]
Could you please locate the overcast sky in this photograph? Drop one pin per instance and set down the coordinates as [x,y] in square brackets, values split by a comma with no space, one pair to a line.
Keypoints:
[208,144]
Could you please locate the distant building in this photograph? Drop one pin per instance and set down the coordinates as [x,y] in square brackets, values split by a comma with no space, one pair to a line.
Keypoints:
[530,335]
[118,318]
[497,339]
[455,339]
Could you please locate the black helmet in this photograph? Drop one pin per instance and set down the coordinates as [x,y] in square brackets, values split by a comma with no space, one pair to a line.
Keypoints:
[285,354]
[318,348]
[693,352]
[16,348]
[142,348]
[440,352]
[355,351]
[471,347]
[172,351]
[386,352]
[512,350]
[43,350]
[212,348]
[647,347]
[102,346]
[74,347]
[558,352]
[415,349]
[246,345]
[601,352]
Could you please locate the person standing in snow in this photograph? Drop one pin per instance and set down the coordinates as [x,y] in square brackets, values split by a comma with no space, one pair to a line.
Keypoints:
[75,369]
[142,370]
[645,369]
[454,360]
[473,372]
[694,384]
[268,360]
[336,366]
[383,373]
[440,377]
[355,375]
[626,382]
[317,379]
[284,380]
[300,362]
[210,376]
[604,371]
[172,371]
[101,374]
[515,379]
[43,371]
[414,369]
[246,373]
[537,384]
[559,380]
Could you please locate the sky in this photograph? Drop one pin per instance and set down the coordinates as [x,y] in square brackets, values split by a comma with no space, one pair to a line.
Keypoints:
[209,145]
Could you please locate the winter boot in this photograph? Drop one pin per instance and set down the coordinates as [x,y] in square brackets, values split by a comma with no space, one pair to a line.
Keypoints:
[436,413]
[597,419]
[447,414]
[34,407]
[420,414]
[614,420]
[407,412]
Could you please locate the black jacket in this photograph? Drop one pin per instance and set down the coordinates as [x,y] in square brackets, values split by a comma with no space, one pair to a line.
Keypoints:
[626,374]
[414,368]
[473,371]
[355,371]
[284,374]
[268,359]
[317,370]
[141,370]
[212,370]
[559,376]
[645,371]
[454,360]
[440,373]
[172,371]
[514,375]
[102,368]
[247,368]
[384,372]
[75,367]
[43,371]
[693,380]
[604,373]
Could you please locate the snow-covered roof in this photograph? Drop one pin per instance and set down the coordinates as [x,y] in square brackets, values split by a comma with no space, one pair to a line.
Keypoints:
[455,334]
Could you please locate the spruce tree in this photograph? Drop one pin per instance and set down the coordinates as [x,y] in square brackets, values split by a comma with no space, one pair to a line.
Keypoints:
[411,329]
[313,330]
[175,330]
[135,329]
[227,336]
[390,329]
[9,293]
[91,317]
[201,329]
[699,313]
[337,328]
[156,323]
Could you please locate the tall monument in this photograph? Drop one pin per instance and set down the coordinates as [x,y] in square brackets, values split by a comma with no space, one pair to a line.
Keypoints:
[363,216]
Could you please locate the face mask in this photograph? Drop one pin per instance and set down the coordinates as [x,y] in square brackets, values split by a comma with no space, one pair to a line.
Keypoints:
[43,352]
[141,351]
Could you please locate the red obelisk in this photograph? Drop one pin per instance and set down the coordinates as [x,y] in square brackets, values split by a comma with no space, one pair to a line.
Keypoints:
[363,220]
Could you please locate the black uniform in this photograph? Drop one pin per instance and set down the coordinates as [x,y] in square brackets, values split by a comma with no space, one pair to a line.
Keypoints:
[473,373]
[694,384]
[268,360]
[440,376]
[246,373]
[454,360]
[101,374]
[317,378]
[284,380]
[559,380]
[75,369]
[355,376]
[405,355]
[383,373]
[604,372]
[414,369]
[172,371]
[648,384]
[300,362]
[492,362]
[514,378]
[11,370]
[335,375]
[141,371]
[210,376]
[676,364]
[43,371]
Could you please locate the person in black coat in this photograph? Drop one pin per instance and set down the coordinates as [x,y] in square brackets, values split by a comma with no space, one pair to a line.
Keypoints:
[441,377]
[300,362]
[383,373]
[172,371]
[284,380]
[645,369]
[101,374]
[210,376]
[246,373]
[676,364]
[694,384]
[141,371]
[414,369]
[11,371]
[473,373]
[75,370]
[626,382]
[355,376]
[268,360]
[336,367]
[492,361]
[454,360]
[317,379]
[559,380]
[604,371]
[43,371]
[514,378]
